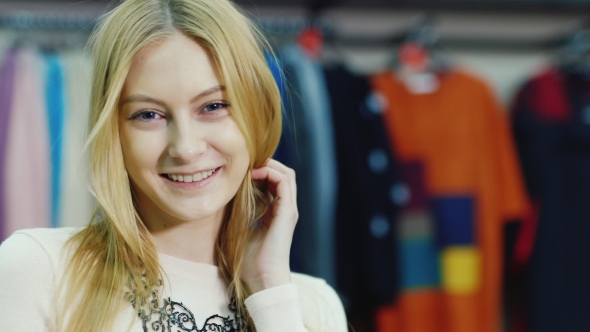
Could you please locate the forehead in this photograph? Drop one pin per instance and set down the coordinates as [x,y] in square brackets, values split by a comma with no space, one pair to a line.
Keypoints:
[176,63]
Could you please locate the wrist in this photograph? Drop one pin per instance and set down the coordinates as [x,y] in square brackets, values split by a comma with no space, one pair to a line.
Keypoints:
[266,281]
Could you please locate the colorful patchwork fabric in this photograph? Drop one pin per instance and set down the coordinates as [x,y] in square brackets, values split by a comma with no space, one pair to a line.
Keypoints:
[471,185]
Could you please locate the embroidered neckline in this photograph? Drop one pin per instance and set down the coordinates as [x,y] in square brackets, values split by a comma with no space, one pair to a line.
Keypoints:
[174,316]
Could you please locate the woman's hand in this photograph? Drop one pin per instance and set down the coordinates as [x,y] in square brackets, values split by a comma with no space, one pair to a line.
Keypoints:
[267,260]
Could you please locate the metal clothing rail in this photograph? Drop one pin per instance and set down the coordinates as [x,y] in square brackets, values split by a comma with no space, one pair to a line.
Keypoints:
[24,19]
[498,44]
[283,26]
[47,20]
[289,26]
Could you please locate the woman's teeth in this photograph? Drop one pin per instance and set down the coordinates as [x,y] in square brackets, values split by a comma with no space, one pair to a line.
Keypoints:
[191,178]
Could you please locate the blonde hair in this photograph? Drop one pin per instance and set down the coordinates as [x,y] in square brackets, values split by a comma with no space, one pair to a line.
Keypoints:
[116,250]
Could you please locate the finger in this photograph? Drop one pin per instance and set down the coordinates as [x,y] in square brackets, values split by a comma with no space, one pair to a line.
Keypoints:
[274,164]
[285,205]
[278,182]
[286,179]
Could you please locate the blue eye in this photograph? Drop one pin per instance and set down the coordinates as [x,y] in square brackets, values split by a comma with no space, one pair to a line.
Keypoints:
[215,106]
[146,116]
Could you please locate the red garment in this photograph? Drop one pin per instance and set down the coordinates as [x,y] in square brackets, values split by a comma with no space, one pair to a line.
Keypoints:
[461,134]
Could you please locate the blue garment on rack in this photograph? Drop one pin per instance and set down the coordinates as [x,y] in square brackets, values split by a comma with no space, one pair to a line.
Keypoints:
[276,69]
[282,153]
[6,86]
[55,98]
[314,160]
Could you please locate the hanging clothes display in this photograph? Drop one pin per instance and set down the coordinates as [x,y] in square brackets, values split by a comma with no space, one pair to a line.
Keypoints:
[404,186]
[551,123]
[44,111]
[366,212]
[27,161]
[459,138]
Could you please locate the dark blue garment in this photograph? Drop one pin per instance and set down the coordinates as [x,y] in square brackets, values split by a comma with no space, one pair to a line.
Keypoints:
[282,153]
[6,91]
[368,173]
[285,153]
[555,156]
[276,68]
[54,94]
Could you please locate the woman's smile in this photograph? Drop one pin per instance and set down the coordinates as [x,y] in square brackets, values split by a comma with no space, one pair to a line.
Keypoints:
[192,180]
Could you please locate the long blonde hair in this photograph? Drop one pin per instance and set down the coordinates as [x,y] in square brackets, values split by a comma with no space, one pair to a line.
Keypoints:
[116,250]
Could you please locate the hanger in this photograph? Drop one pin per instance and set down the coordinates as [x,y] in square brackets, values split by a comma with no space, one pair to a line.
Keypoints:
[575,55]
[420,42]
[417,62]
[312,37]
[422,31]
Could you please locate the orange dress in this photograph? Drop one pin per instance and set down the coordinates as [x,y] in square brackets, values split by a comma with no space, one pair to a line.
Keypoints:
[461,135]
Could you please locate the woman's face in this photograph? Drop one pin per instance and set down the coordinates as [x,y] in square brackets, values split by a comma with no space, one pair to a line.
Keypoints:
[184,153]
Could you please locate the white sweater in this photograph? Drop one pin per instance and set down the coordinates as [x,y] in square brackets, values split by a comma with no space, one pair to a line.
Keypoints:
[32,264]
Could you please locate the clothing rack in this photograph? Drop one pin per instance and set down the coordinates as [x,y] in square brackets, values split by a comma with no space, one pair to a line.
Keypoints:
[20,20]
[50,31]
[283,26]
[492,44]
[287,27]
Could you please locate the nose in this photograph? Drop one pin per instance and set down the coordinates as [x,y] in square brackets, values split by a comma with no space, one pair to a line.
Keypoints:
[186,141]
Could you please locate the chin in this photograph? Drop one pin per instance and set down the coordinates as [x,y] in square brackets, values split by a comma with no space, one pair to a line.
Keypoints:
[193,214]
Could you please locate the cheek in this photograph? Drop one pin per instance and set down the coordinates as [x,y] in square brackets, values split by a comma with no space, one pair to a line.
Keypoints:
[141,150]
[235,146]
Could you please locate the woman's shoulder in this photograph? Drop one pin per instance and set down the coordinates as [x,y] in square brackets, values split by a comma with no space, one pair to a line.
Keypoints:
[37,246]
[320,304]
[30,267]
[47,234]
[48,239]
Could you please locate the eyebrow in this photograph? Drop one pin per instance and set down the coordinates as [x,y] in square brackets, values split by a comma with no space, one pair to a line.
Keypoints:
[144,98]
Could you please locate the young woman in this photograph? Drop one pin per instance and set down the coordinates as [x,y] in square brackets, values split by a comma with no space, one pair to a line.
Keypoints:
[195,221]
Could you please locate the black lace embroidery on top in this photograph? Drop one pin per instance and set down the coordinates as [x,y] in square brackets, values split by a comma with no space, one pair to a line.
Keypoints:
[176,317]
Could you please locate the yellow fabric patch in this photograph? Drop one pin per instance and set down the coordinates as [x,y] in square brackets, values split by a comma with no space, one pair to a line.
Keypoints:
[461,270]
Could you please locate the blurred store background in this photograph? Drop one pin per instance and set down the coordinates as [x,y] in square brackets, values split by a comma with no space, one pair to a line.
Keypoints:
[442,149]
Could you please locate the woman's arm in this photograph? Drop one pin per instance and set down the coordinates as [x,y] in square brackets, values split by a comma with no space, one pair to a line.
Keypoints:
[307,304]
[278,302]
[276,309]
[267,261]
